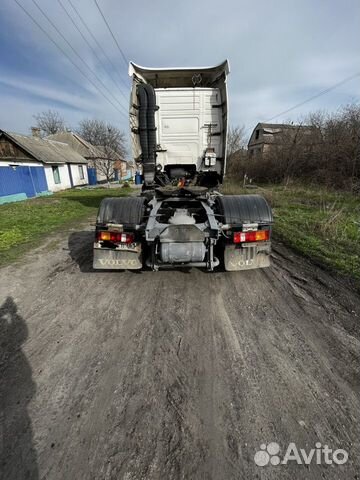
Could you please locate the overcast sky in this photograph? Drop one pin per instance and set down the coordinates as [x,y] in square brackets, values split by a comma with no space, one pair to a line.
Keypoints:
[281,52]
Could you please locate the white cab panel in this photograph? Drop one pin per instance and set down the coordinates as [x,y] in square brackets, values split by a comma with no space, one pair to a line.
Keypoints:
[184,121]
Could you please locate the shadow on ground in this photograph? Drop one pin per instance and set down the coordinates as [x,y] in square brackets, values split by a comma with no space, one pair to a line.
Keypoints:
[81,249]
[18,459]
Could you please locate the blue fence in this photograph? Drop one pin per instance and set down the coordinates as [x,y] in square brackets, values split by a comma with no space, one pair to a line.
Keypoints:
[93,178]
[18,183]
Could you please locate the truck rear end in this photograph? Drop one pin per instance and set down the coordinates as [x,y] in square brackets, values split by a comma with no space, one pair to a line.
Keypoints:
[178,122]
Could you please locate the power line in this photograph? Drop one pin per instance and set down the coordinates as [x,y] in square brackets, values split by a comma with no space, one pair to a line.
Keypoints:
[323,92]
[78,56]
[67,56]
[97,43]
[91,48]
[113,36]
[313,97]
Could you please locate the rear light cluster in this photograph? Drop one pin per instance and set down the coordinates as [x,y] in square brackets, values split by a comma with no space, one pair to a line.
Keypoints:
[115,237]
[258,236]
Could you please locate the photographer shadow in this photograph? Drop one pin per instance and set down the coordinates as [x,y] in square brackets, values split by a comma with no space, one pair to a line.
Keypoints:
[18,457]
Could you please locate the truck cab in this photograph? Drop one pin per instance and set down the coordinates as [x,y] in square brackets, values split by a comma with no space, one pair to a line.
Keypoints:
[190,120]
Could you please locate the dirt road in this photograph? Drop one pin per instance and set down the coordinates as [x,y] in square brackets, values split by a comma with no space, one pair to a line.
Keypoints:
[174,375]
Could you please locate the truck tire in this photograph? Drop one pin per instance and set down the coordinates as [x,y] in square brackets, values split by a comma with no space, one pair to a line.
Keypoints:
[127,211]
[239,209]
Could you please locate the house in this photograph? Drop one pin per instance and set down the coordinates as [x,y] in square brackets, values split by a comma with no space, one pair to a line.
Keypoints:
[31,166]
[102,161]
[94,155]
[123,170]
[109,164]
[130,171]
[266,136]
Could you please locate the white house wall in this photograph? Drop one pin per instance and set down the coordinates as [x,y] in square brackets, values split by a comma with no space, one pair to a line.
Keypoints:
[64,178]
[76,174]
[100,177]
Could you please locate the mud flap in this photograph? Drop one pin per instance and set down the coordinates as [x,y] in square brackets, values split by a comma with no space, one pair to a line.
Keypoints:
[246,258]
[108,259]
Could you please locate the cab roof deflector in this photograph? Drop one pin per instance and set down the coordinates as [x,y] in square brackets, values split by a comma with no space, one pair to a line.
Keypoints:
[180,76]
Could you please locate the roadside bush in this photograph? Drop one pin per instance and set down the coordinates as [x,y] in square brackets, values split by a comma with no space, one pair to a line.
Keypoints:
[329,153]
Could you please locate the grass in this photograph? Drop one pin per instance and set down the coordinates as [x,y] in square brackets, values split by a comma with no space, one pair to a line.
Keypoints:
[24,224]
[321,224]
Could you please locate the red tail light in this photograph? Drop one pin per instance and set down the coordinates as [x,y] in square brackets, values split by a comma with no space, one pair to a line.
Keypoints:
[258,236]
[115,237]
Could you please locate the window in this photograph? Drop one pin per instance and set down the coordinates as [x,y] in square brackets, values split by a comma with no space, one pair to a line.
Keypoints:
[257,134]
[56,174]
[81,172]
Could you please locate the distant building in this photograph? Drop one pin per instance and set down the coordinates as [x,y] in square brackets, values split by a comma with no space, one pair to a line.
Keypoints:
[110,162]
[77,143]
[84,148]
[98,156]
[31,166]
[267,135]
[130,171]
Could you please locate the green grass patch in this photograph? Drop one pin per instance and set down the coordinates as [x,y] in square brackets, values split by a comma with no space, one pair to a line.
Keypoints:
[24,224]
[319,223]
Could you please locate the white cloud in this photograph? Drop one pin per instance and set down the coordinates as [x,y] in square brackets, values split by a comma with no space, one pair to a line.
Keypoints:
[44,90]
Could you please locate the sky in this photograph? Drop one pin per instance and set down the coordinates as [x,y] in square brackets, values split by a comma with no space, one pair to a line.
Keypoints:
[280,53]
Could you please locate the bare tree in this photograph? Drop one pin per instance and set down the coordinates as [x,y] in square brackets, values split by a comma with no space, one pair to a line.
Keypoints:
[50,122]
[110,140]
[236,151]
[101,133]
[236,139]
[105,165]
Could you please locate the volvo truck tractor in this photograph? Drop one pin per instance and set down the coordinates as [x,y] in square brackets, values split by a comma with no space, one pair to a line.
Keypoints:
[178,123]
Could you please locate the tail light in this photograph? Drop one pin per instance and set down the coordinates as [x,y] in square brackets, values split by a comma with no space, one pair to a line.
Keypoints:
[258,236]
[115,237]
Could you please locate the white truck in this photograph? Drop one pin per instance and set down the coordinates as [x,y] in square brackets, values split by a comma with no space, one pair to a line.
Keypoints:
[178,123]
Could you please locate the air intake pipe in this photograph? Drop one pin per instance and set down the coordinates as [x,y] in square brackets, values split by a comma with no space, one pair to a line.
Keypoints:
[151,129]
[147,130]
[143,108]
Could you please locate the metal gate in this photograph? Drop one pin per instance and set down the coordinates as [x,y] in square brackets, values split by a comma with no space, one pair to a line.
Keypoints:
[92,175]
[19,182]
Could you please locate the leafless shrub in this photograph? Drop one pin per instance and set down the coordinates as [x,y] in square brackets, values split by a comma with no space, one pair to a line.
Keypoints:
[327,153]
[236,152]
